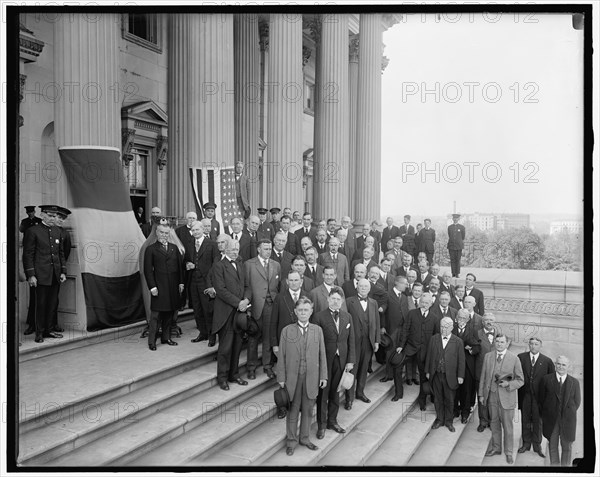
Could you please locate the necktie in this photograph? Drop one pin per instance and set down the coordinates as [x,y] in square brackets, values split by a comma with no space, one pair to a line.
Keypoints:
[461,330]
[206,236]
[302,328]
[362,299]
[416,303]
[233,263]
[305,231]
[499,359]
[445,310]
[560,382]
[445,338]
[295,297]
[424,314]
[197,245]
[166,245]
[312,271]
[235,236]
[336,320]
[532,361]
[267,268]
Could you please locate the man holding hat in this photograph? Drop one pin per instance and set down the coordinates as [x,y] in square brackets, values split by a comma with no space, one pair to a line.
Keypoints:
[456,236]
[45,267]
[209,213]
[338,334]
[30,220]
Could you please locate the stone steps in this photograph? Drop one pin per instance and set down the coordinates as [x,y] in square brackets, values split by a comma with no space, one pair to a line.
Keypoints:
[161,428]
[63,385]
[265,446]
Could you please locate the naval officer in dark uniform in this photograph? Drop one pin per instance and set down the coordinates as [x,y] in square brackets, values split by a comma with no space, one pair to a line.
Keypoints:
[45,268]
[456,236]
[30,220]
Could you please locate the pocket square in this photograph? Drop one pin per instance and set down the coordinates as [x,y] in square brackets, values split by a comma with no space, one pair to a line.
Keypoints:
[277,277]
[348,326]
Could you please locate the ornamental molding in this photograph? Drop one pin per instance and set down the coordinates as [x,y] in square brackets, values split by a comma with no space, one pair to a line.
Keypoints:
[127,140]
[534,307]
[263,32]
[29,46]
[306,53]
[162,145]
[353,48]
[385,61]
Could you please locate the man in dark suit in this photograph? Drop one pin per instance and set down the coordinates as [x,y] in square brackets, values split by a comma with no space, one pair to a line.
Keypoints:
[331,228]
[441,309]
[30,220]
[307,229]
[321,242]
[406,265]
[251,228]
[299,265]
[378,293]
[446,283]
[368,243]
[367,332]
[302,369]
[456,301]
[305,243]
[387,277]
[486,337]
[184,233]
[261,288]
[428,240]
[229,283]
[242,189]
[279,254]
[320,295]
[45,268]
[265,229]
[293,242]
[346,244]
[361,240]
[393,319]
[424,276]
[338,334]
[209,213]
[411,280]
[476,319]
[407,232]
[336,260]
[247,248]
[445,369]
[368,253]
[163,270]
[559,399]
[418,328]
[65,242]
[389,233]
[456,237]
[282,313]
[501,376]
[350,287]
[465,395]
[147,227]
[470,290]
[535,366]
[314,271]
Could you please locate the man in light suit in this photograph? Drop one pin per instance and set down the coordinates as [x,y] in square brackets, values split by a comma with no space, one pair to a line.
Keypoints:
[228,279]
[320,295]
[338,334]
[336,260]
[367,332]
[445,368]
[501,376]
[486,337]
[242,189]
[261,288]
[535,366]
[302,369]
[559,399]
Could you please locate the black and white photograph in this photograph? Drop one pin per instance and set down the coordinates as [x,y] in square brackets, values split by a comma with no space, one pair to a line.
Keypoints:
[265,236]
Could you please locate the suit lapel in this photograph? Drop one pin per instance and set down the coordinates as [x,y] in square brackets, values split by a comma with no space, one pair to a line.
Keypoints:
[261,269]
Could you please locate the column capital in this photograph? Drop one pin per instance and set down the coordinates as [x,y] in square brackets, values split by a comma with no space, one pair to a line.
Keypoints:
[127,139]
[315,25]
[388,20]
[263,32]
[353,47]
[306,53]
[385,61]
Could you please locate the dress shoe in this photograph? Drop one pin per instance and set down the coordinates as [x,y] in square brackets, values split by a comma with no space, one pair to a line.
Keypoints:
[281,413]
[152,347]
[240,381]
[451,428]
[212,340]
[492,452]
[251,374]
[144,333]
[540,453]
[336,427]
[456,414]
[310,445]
[415,381]
[348,405]
[481,427]
[385,379]
[509,459]
[436,424]
[464,419]
[224,386]
[52,335]
[397,397]
[29,331]
[523,448]
[169,342]
[57,328]
[320,433]
[199,338]
[370,370]
[270,374]
[363,398]
[289,451]
[422,406]
[39,339]
[409,382]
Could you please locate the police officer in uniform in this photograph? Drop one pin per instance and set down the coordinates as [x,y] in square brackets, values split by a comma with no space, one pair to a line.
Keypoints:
[265,229]
[45,268]
[30,220]
[215,226]
[456,236]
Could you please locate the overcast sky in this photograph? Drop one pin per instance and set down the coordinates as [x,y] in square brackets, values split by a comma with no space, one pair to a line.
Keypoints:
[503,92]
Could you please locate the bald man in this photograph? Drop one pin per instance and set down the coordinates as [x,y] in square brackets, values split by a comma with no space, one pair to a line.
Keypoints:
[147,227]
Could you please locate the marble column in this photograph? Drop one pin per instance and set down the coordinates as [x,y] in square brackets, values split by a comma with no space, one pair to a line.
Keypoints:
[263,32]
[284,112]
[247,99]
[211,91]
[86,76]
[367,196]
[332,149]
[353,105]
[178,104]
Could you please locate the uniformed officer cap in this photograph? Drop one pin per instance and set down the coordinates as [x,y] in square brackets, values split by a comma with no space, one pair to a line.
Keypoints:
[30,208]
[262,210]
[275,210]
[63,212]
[49,208]
[456,216]
[209,205]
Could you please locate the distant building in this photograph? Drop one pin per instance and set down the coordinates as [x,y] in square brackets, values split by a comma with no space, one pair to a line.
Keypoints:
[491,221]
[570,226]
[512,221]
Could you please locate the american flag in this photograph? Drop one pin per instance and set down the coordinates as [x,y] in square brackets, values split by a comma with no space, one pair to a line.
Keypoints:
[216,184]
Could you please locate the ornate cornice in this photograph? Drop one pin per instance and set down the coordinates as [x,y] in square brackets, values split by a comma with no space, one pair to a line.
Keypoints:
[533,307]
[29,46]
[388,20]
[162,145]
[263,32]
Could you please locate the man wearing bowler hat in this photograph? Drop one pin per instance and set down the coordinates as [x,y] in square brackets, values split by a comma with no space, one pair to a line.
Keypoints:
[302,368]
[209,213]
[338,334]
[456,237]
[45,268]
